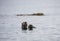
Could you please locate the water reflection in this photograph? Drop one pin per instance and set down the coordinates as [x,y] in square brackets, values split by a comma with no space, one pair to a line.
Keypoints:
[27,31]
[24,31]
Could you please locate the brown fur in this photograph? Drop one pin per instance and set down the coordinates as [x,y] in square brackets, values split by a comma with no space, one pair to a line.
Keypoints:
[24,26]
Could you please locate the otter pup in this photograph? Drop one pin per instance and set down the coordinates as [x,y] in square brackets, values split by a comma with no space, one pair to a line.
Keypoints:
[24,26]
[30,27]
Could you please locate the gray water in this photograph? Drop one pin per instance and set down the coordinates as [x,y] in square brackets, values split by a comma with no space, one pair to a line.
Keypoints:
[47,28]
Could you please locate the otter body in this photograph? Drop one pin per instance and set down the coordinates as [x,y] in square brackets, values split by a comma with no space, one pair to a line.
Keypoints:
[30,27]
[24,26]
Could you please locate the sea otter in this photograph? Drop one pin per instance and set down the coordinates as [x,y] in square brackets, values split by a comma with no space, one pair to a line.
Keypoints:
[24,26]
[30,27]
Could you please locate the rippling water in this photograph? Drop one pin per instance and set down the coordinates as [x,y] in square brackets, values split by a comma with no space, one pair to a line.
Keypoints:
[47,28]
